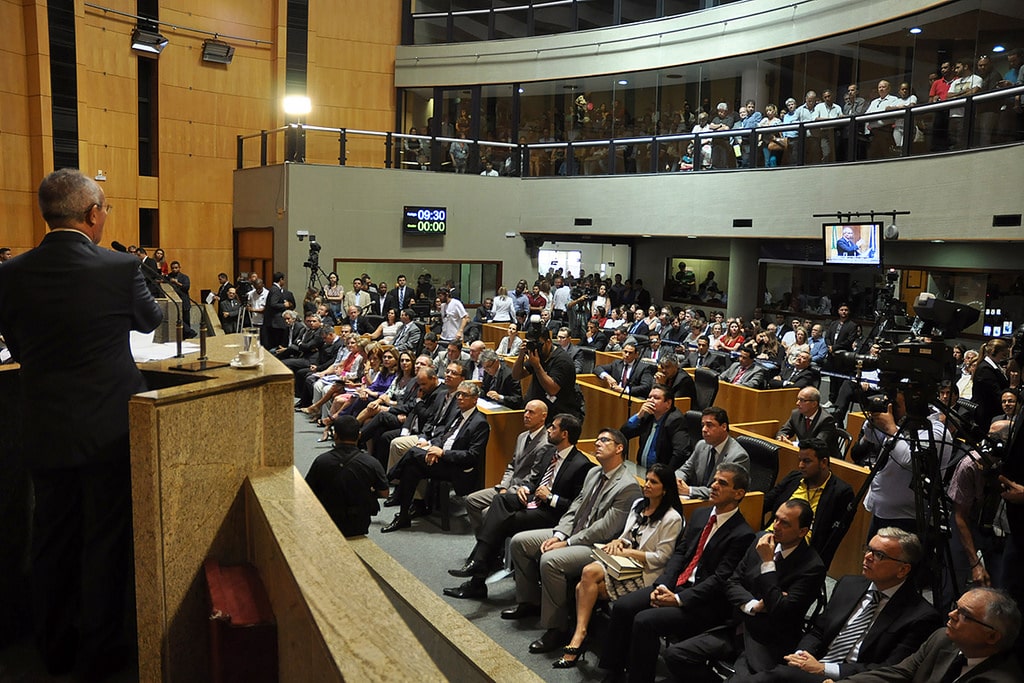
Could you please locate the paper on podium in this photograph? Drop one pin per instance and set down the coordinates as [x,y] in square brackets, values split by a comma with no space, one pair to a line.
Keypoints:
[145,349]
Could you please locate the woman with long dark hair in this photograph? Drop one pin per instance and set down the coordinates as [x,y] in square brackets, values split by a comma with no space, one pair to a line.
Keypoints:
[652,528]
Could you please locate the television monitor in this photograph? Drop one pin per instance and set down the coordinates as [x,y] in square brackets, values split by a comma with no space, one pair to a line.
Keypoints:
[851,244]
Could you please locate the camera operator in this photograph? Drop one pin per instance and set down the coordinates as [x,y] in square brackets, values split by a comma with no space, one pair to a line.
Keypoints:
[974,491]
[554,376]
[891,499]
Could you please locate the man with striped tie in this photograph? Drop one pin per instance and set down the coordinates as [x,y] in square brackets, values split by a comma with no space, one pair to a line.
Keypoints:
[533,502]
[872,620]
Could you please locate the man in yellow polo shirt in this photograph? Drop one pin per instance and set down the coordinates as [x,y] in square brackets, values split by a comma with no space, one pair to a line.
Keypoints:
[828,495]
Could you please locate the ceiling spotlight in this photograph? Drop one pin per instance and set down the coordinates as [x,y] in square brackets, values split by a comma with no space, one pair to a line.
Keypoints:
[147,42]
[297,105]
[623,82]
[915,30]
[217,51]
[999,48]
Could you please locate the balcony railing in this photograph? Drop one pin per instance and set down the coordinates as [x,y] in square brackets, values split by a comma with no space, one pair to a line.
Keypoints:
[978,121]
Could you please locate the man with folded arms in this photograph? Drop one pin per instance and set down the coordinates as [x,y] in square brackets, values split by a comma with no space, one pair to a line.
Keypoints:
[686,598]
[535,504]
[548,562]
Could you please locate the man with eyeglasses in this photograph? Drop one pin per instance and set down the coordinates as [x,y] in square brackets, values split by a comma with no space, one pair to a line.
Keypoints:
[974,646]
[872,620]
[627,375]
[498,384]
[546,560]
[454,455]
[79,462]
[807,420]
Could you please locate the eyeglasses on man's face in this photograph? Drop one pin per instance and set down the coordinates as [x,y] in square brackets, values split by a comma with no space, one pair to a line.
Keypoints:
[879,555]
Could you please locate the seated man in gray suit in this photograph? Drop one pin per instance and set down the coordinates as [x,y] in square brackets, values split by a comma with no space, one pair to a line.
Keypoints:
[745,371]
[716,446]
[547,563]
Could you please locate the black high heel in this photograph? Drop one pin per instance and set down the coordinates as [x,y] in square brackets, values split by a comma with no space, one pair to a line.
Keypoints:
[580,653]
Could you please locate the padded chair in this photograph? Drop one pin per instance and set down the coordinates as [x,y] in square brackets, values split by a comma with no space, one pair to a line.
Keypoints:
[588,359]
[706,382]
[764,462]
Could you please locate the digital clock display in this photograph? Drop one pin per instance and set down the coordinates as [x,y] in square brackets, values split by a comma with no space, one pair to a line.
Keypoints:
[425,220]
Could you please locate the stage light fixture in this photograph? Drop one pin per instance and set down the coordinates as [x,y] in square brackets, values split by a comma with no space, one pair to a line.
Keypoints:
[147,42]
[217,51]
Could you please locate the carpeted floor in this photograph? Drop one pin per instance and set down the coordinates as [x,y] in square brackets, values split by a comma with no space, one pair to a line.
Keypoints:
[429,552]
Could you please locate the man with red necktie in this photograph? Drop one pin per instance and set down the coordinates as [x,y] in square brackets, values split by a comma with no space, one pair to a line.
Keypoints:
[686,598]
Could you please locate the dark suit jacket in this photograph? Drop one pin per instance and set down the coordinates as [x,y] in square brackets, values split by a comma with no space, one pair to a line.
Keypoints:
[989,385]
[933,659]
[641,329]
[307,344]
[599,342]
[504,384]
[721,556]
[683,385]
[797,426]
[466,456]
[787,593]
[101,296]
[673,444]
[840,336]
[391,299]
[826,530]
[568,481]
[276,298]
[325,355]
[808,377]
[898,630]
[714,361]
[641,377]
[360,326]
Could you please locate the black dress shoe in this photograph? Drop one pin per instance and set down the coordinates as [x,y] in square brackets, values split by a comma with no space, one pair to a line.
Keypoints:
[471,568]
[520,611]
[419,508]
[391,501]
[399,522]
[470,590]
[553,639]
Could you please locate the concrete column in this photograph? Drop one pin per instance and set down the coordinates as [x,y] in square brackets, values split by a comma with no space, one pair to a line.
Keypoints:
[743,268]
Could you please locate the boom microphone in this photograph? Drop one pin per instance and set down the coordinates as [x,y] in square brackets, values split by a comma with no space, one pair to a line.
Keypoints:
[117,246]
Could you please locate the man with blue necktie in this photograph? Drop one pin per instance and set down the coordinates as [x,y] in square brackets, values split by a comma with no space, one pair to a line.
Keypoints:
[662,430]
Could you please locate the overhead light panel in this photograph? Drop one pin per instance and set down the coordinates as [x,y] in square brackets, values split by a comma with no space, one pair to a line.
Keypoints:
[217,51]
[147,42]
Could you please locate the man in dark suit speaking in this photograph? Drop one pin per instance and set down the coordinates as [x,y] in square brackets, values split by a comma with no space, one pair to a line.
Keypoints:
[79,463]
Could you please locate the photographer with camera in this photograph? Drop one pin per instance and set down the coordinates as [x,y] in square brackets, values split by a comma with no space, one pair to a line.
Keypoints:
[891,499]
[554,376]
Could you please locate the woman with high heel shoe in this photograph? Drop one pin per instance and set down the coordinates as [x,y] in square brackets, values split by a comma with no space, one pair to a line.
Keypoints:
[348,370]
[404,381]
[652,528]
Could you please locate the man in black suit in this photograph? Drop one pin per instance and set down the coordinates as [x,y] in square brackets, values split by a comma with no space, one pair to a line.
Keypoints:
[564,341]
[990,380]
[679,381]
[702,358]
[181,284]
[627,375]
[840,335]
[456,455]
[535,504]
[224,284]
[279,300]
[799,374]
[594,338]
[807,420]
[976,646]
[360,325]
[414,412]
[498,384]
[81,539]
[304,340]
[901,619]
[685,599]
[768,594]
[670,443]
[828,495]
[399,298]
[655,351]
